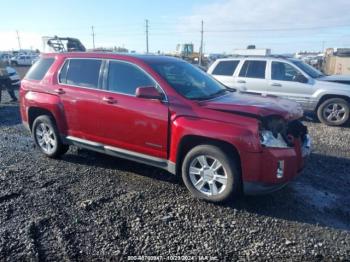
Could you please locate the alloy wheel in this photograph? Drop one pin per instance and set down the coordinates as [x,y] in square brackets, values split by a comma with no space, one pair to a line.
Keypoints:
[208,175]
[334,112]
[46,138]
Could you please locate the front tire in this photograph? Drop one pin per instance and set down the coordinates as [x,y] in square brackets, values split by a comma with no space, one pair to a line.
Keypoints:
[210,174]
[47,137]
[334,112]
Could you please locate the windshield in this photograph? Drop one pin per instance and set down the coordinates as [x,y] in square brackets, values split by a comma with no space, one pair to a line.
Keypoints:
[311,71]
[188,80]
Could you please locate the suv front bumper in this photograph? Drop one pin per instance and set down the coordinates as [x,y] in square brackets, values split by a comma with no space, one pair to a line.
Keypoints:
[276,168]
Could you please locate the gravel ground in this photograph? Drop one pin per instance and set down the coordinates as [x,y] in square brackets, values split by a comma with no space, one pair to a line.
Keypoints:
[91,206]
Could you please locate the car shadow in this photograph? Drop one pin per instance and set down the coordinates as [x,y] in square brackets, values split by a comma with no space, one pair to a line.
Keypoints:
[319,196]
[95,159]
[9,114]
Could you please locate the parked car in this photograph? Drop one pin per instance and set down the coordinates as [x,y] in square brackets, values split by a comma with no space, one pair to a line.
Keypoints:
[5,57]
[167,113]
[288,78]
[13,75]
[23,60]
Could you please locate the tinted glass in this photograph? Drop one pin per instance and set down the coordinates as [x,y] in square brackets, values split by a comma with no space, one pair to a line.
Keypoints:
[253,69]
[83,72]
[126,78]
[284,72]
[62,78]
[225,68]
[188,80]
[39,69]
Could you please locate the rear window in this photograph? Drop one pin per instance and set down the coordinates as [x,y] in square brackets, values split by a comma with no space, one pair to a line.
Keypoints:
[39,69]
[81,72]
[253,69]
[225,68]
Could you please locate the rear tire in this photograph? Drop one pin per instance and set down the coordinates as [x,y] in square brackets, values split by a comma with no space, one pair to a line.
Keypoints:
[47,137]
[334,112]
[210,174]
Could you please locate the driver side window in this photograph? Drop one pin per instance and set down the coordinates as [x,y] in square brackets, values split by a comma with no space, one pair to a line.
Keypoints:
[284,72]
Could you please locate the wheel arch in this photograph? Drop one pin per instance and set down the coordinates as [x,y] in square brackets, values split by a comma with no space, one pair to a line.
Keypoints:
[188,142]
[330,96]
[34,112]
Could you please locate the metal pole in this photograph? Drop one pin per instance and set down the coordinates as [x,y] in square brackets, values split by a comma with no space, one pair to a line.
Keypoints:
[323,43]
[201,47]
[93,37]
[147,36]
[19,40]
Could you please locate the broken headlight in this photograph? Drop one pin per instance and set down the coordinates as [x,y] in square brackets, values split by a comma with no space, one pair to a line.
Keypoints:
[273,133]
[268,139]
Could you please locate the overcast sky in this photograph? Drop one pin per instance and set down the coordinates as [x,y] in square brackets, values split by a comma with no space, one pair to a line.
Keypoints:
[285,26]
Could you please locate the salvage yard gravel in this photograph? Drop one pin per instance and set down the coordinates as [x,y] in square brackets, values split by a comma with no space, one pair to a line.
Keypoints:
[91,206]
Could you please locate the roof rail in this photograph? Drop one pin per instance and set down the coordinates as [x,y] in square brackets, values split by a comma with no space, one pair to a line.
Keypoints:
[268,56]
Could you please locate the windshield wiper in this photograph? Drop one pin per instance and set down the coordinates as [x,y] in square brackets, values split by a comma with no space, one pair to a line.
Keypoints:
[213,95]
[218,92]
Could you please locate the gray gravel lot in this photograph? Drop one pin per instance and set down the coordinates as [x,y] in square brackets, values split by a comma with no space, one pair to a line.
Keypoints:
[91,206]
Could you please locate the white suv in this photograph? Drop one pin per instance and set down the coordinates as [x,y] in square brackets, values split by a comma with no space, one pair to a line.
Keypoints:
[288,78]
[23,60]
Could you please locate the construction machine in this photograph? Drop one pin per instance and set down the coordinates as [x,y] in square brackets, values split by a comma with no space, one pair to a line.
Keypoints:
[186,52]
[62,44]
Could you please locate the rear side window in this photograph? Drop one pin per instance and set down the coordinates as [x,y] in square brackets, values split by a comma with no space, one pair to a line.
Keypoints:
[253,69]
[39,69]
[81,72]
[225,68]
[125,78]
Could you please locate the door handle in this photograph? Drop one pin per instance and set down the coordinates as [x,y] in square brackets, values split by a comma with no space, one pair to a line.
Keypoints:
[59,91]
[276,84]
[241,81]
[109,100]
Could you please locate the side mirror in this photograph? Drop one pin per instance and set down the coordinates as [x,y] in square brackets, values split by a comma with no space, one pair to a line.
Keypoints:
[301,78]
[148,92]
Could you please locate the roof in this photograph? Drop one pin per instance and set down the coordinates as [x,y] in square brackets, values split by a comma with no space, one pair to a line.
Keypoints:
[108,55]
[270,57]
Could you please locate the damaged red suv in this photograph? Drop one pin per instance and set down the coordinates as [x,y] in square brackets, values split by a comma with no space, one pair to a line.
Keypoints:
[164,112]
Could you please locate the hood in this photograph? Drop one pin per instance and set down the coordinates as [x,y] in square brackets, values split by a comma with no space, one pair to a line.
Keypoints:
[10,70]
[255,105]
[335,78]
[332,85]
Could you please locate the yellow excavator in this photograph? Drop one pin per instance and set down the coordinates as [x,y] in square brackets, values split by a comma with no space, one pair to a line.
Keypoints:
[186,52]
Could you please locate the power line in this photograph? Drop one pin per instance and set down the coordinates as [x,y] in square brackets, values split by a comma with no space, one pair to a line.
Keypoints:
[272,29]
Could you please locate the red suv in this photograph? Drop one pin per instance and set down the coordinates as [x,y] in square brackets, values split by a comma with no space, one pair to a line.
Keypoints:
[167,113]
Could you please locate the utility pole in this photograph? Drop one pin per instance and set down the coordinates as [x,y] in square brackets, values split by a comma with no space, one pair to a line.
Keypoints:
[19,40]
[201,47]
[147,36]
[93,36]
[323,43]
